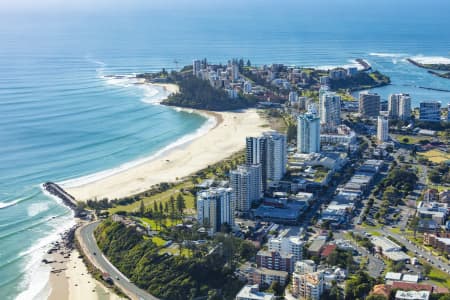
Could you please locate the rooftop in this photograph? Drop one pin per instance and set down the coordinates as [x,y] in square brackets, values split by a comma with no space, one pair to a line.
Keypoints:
[412,295]
[251,292]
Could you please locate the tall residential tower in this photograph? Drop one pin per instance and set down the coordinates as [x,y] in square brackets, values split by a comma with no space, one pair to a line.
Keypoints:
[308,133]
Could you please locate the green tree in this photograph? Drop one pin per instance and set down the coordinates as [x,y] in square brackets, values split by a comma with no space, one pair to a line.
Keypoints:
[181,205]
[142,209]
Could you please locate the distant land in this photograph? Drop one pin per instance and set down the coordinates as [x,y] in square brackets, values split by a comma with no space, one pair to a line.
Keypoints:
[433,68]
[260,85]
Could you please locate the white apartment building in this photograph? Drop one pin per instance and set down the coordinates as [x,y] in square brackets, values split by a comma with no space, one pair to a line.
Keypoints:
[399,106]
[308,133]
[196,67]
[270,151]
[382,129]
[329,110]
[289,245]
[246,184]
[215,207]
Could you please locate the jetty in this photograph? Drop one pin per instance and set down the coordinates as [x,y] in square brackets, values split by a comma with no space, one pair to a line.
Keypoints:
[366,66]
[59,192]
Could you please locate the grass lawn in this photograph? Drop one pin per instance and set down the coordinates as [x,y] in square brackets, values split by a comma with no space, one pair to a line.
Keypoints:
[439,278]
[153,226]
[367,226]
[174,250]
[161,197]
[436,156]
[412,139]
[158,241]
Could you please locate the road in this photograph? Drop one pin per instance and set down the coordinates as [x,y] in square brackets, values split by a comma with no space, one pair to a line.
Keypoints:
[87,239]
[419,252]
[375,265]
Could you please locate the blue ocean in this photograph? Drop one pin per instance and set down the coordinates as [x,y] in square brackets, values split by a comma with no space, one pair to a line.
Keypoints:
[62,117]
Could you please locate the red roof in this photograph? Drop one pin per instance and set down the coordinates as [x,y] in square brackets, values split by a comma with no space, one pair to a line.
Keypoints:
[327,250]
[408,286]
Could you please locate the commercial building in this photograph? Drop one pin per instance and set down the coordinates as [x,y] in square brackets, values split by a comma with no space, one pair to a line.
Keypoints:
[433,210]
[215,207]
[251,292]
[282,210]
[308,133]
[369,104]
[389,249]
[270,151]
[246,183]
[430,111]
[329,110]
[382,129]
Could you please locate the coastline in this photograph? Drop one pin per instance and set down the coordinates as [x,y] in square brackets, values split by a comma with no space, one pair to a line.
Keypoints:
[223,138]
[225,135]
[69,277]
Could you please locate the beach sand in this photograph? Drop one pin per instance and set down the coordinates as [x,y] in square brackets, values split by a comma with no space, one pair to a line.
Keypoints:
[226,138]
[169,87]
[74,282]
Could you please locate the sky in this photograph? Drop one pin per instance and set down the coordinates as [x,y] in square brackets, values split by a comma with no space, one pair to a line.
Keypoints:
[398,8]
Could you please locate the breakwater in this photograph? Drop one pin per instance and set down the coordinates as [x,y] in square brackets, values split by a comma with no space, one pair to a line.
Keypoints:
[59,192]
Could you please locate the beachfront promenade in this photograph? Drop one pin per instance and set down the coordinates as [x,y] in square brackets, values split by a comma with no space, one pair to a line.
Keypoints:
[85,236]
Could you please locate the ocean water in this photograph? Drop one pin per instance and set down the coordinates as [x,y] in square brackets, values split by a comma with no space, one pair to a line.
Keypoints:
[62,119]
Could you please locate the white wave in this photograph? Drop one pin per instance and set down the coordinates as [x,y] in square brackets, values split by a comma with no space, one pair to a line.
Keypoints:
[351,64]
[392,55]
[8,204]
[36,208]
[37,274]
[431,59]
[80,181]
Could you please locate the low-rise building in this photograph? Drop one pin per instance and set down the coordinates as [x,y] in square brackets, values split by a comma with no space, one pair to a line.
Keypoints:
[434,210]
[265,277]
[412,295]
[440,242]
[251,292]
[317,245]
[274,260]
[389,249]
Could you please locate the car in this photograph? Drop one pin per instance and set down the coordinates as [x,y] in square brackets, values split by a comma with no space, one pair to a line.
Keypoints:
[95,253]
[117,278]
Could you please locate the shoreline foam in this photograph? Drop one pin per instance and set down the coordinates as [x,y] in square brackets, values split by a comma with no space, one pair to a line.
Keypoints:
[224,139]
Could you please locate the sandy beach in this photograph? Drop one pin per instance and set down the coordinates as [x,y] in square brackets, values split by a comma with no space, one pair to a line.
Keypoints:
[226,138]
[69,277]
